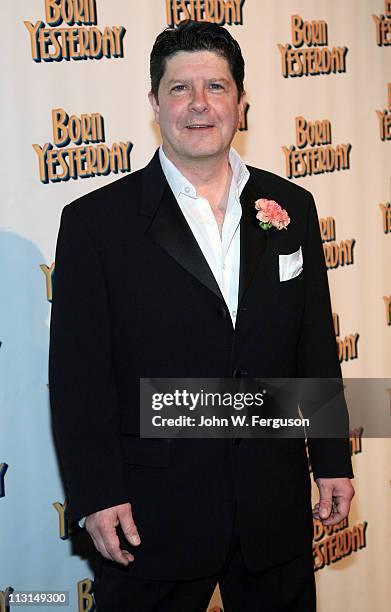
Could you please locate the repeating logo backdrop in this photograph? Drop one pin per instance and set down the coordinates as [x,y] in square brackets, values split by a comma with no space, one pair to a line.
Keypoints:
[75,107]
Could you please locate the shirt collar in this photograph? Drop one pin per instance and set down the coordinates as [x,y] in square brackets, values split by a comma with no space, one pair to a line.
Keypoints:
[180,185]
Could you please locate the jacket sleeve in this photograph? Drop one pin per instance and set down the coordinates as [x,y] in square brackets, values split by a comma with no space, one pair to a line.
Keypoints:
[317,358]
[81,381]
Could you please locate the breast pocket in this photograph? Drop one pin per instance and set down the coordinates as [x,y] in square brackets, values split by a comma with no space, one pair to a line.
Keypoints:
[145,451]
[290,265]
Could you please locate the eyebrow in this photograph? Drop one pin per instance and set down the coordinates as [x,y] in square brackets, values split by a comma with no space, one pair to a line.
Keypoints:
[179,80]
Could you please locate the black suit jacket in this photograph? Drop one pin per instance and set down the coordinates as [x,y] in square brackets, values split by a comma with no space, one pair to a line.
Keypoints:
[134,297]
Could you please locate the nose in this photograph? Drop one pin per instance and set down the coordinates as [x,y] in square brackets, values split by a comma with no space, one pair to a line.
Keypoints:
[199,101]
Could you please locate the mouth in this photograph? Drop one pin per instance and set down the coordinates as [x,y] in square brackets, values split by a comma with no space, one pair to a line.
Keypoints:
[199,126]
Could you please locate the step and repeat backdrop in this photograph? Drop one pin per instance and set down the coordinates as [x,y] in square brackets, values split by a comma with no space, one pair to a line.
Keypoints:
[75,116]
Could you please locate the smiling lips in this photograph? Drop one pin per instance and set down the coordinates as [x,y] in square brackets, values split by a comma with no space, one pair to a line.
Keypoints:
[199,126]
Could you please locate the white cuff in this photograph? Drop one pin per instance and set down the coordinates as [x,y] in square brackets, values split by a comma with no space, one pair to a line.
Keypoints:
[82,522]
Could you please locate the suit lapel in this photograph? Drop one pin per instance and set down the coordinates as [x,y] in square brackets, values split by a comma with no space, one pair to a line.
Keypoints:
[169,228]
[252,238]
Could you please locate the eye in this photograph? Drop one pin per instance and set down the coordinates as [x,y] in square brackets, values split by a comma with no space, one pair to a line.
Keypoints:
[216,86]
[179,87]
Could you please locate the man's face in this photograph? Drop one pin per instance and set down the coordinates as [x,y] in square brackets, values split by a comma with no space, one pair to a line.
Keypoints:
[198,109]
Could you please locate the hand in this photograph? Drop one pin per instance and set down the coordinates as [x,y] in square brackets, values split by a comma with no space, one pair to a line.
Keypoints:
[101,527]
[335,497]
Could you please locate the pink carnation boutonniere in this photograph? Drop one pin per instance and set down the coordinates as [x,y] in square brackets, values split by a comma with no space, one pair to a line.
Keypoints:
[270,214]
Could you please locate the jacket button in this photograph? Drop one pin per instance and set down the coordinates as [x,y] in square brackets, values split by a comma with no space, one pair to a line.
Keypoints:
[237,441]
[222,312]
[237,373]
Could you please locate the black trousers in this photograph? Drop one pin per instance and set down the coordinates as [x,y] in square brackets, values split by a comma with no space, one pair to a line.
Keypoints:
[285,588]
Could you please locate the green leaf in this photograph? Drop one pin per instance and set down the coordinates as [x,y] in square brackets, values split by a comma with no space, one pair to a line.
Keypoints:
[265,226]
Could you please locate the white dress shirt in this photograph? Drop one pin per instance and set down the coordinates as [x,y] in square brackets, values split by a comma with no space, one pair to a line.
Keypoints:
[221,252]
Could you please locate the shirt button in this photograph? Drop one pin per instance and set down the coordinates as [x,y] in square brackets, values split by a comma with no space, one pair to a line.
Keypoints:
[187,189]
[234,313]
[223,266]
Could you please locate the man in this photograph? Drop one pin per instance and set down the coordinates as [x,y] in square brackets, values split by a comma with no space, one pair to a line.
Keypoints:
[167,273]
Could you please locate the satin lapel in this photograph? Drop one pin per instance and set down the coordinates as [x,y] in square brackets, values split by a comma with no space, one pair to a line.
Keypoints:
[252,238]
[169,228]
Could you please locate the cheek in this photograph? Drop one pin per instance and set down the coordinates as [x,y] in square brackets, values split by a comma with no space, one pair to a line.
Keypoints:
[229,114]
[231,119]
[171,117]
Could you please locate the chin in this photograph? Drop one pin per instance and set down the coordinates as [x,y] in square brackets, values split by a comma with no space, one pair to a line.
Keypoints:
[204,151]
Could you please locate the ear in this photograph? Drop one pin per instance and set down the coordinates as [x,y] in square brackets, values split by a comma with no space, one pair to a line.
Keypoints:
[242,105]
[155,105]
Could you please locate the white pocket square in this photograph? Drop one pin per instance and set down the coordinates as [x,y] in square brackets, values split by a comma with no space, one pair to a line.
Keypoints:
[290,265]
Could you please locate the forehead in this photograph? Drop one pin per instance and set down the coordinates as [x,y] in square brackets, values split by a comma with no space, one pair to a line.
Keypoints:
[190,63]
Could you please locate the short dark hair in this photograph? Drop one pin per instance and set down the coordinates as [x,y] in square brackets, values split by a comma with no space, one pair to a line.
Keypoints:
[192,35]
